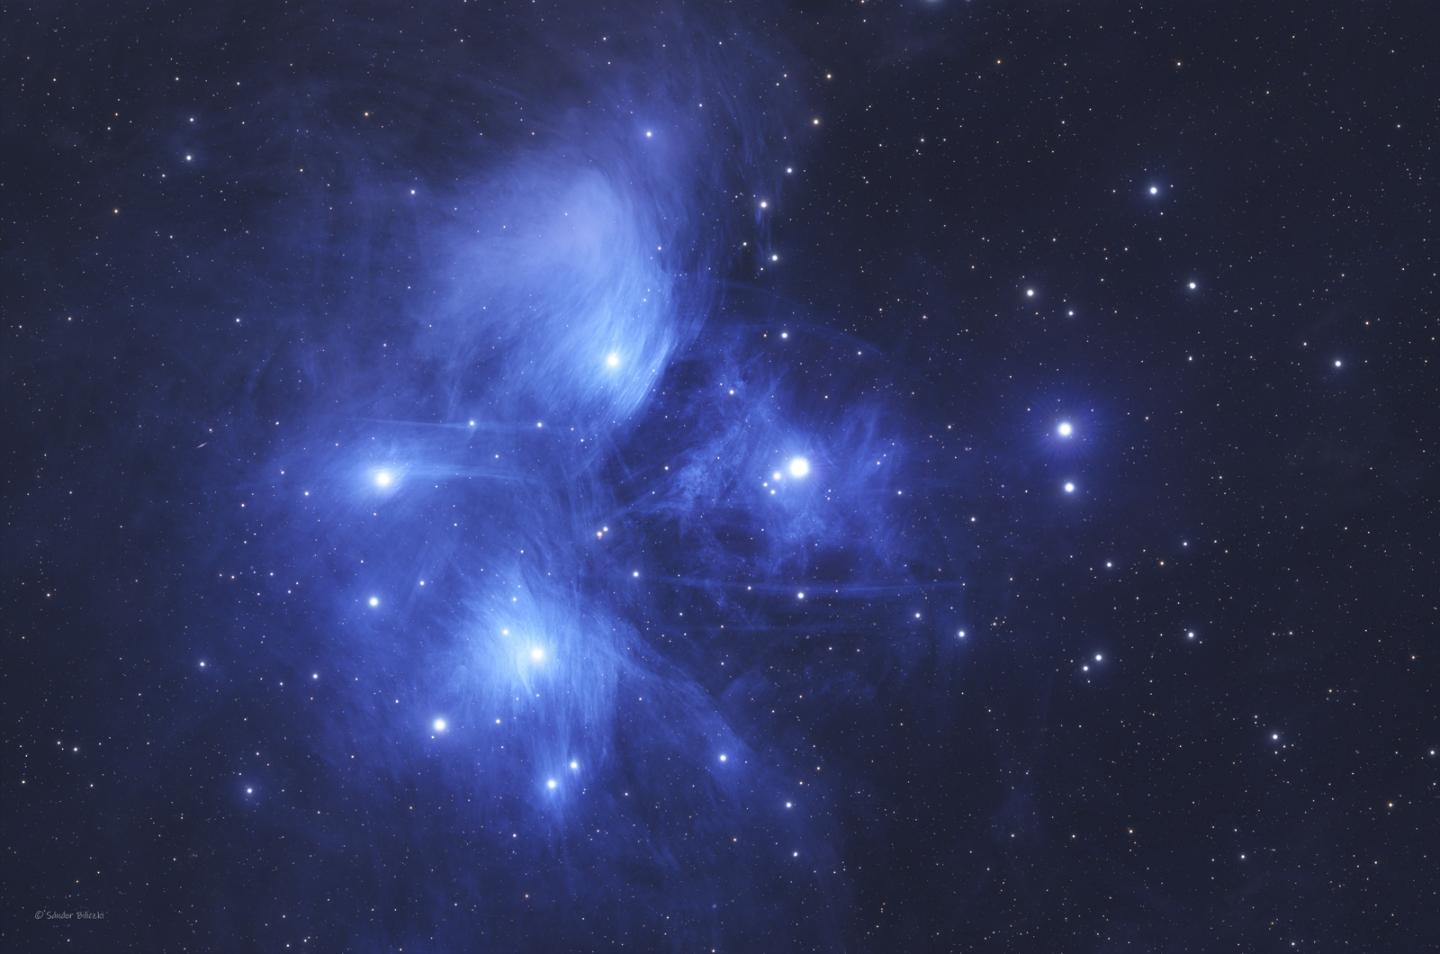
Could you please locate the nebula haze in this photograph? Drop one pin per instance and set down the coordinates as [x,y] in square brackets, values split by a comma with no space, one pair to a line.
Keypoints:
[876,476]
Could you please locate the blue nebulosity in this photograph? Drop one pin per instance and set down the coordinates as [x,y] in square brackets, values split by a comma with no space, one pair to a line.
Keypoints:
[570,475]
[541,510]
[518,535]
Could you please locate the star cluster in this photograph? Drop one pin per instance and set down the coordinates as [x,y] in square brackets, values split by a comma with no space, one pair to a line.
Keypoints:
[921,477]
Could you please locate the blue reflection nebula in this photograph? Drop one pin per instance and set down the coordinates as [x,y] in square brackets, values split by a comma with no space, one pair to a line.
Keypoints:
[544,493]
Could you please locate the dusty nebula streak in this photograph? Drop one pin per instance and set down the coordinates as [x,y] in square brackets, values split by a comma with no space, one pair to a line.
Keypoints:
[570,475]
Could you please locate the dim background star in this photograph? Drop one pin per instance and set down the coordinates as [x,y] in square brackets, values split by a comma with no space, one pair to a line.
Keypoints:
[571,476]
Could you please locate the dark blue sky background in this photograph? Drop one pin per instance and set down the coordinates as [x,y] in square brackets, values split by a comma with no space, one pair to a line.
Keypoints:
[910,476]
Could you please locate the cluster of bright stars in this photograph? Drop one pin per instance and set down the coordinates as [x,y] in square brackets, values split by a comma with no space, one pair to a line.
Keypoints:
[798,468]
